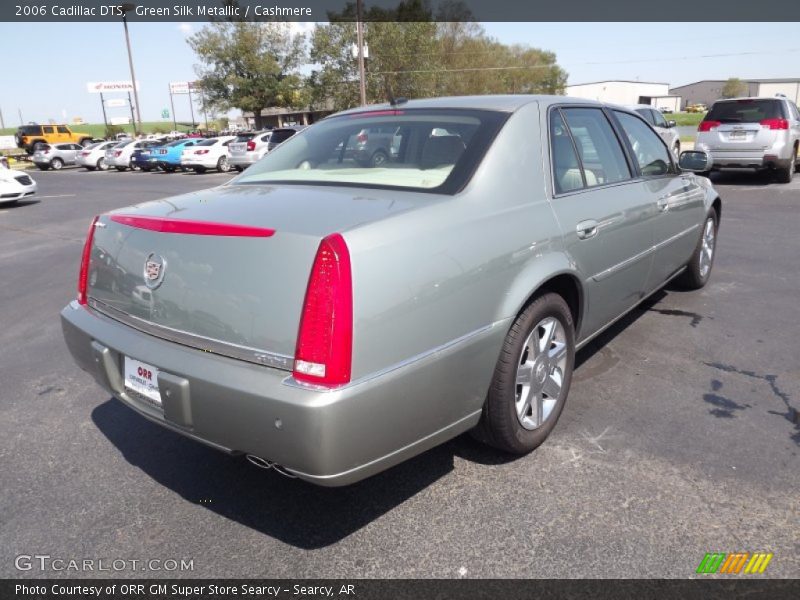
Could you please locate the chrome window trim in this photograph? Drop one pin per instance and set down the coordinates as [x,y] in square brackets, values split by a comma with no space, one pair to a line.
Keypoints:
[199,342]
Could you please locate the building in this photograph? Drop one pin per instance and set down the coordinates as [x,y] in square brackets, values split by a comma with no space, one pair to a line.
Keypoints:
[709,91]
[627,92]
[280,117]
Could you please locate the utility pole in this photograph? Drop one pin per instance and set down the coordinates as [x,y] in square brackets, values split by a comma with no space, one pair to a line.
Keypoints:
[105,119]
[125,9]
[135,133]
[2,122]
[172,104]
[191,103]
[360,42]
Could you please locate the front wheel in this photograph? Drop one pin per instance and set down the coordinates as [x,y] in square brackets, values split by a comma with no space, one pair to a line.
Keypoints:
[698,270]
[531,379]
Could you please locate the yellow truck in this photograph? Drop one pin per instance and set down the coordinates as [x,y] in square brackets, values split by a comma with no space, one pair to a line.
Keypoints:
[29,136]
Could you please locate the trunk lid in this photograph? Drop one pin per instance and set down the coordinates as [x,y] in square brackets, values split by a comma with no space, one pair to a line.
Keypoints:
[240,296]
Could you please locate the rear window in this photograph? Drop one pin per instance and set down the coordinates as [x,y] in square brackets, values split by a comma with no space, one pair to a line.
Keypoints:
[745,111]
[432,150]
[244,137]
[30,130]
[281,135]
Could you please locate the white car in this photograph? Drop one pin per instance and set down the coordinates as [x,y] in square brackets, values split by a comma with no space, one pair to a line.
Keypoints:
[15,185]
[248,149]
[208,154]
[121,154]
[94,156]
[665,129]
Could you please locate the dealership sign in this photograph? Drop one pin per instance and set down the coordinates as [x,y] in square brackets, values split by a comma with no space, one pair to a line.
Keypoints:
[120,120]
[183,87]
[100,87]
[116,102]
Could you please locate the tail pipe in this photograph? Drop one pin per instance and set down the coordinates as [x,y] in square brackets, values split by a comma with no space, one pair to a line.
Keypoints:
[263,463]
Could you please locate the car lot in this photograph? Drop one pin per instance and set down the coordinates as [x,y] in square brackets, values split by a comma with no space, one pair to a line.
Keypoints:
[680,436]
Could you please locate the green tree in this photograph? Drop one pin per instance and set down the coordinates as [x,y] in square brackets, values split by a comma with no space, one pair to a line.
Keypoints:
[734,88]
[249,66]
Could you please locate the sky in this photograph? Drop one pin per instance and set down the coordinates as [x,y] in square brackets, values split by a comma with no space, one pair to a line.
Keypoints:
[45,66]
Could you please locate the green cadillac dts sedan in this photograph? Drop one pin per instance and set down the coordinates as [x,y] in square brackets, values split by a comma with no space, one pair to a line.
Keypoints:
[329,315]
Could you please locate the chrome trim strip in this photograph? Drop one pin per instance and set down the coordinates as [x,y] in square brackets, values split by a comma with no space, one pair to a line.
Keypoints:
[589,338]
[292,382]
[629,261]
[206,344]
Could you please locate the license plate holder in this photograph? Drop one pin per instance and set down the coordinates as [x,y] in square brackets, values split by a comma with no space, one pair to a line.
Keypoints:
[142,378]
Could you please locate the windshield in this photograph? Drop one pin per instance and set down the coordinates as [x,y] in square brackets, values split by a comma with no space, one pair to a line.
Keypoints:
[428,150]
[745,111]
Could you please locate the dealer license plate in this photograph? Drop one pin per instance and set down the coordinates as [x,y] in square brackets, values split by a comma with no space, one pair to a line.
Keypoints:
[142,379]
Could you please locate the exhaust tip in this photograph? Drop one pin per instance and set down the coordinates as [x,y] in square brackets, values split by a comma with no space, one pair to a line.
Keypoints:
[263,463]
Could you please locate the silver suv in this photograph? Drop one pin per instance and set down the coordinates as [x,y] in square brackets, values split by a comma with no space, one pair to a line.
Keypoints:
[752,133]
[665,129]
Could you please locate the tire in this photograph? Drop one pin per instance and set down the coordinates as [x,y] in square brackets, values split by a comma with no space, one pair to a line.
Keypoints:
[88,168]
[134,167]
[101,164]
[698,271]
[168,168]
[510,420]
[223,166]
[378,159]
[35,145]
[121,169]
[199,170]
[786,174]
[57,164]
[43,167]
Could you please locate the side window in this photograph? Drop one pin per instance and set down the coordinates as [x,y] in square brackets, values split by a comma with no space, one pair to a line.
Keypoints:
[48,130]
[567,172]
[649,151]
[599,150]
[62,129]
[796,111]
[658,119]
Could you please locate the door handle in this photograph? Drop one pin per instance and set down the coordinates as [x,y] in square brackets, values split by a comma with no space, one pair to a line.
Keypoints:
[662,203]
[587,229]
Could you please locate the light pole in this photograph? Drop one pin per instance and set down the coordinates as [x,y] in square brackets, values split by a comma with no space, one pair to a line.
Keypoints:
[126,8]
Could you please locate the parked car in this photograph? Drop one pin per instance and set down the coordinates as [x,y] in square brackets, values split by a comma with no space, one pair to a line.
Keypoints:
[31,136]
[168,156]
[697,107]
[248,148]
[281,135]
[331,319]
[211,153]
[122,154]
[752,133]
[56,156]
[666,129]
[93,156]
[141,156]
[15,185]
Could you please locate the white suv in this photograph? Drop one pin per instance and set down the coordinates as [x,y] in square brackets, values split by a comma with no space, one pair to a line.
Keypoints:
[752,133]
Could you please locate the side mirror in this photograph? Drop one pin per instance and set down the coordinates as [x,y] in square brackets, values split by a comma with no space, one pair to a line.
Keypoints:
[696,161]
[671,124]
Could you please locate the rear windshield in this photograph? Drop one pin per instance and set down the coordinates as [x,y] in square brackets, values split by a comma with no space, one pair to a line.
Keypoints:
[175,143]
[30,130]
[281,135]
[421,149]
[745,111]
[244,137]
[208,142]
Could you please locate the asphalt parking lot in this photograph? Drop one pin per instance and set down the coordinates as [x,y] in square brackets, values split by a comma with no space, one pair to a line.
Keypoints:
[680,436]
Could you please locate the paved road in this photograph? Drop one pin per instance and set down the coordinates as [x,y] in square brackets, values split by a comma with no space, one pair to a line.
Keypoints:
[681,435]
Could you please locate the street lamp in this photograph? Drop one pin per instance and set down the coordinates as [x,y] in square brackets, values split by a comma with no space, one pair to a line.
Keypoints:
[126,8]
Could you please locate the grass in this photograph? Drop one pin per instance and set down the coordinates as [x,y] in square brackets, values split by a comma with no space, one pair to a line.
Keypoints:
[683,119]
[99,129]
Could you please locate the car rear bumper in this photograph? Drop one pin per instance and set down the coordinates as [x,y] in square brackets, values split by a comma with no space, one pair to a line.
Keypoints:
[775,156]
[330,438]
[245,160]
[191,163]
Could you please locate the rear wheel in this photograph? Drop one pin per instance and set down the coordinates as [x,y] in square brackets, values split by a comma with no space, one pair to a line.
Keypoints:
[121,169]
[199,170]
[168,168]
[133,166]
[786,174]
[223,166]
[378,159]
[531,379]
[43,167]
[698,269]
[56,164]
[101,164]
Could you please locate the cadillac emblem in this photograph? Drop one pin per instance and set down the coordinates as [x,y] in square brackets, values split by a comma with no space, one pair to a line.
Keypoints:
[154,268]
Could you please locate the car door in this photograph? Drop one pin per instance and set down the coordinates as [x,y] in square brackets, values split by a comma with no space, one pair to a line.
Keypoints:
[678,198]
[605,219]
[661,127]
[72,152]
[62,133]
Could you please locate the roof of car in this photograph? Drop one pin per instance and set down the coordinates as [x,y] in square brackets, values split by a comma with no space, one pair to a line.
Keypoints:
[507,103]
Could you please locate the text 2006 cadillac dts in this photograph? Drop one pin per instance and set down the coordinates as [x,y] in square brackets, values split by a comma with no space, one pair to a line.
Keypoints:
[334,313]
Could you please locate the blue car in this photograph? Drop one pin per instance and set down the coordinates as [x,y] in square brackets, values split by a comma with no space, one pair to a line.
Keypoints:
[168,156]
[140,159]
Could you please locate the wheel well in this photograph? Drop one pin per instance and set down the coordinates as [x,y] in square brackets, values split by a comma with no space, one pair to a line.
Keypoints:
[717,207]
[566,286]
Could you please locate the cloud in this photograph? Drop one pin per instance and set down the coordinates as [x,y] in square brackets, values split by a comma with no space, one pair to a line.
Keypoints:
[185,28]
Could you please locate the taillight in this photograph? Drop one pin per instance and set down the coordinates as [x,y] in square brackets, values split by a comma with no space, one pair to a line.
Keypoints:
[774,123]
[251,145]
[117,152]
[84,154]
[325,340]
[83,274]
[201,151]
[708,125]
[362,137]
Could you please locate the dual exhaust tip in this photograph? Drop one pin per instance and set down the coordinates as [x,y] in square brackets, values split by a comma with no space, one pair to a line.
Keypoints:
[263,463]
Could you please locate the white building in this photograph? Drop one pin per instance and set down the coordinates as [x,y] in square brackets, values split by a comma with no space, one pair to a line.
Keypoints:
[627,92]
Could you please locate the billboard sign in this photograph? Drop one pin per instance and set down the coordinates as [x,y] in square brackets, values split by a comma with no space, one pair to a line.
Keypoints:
[183,87]
[100,87]
[120,120]
[116,102]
